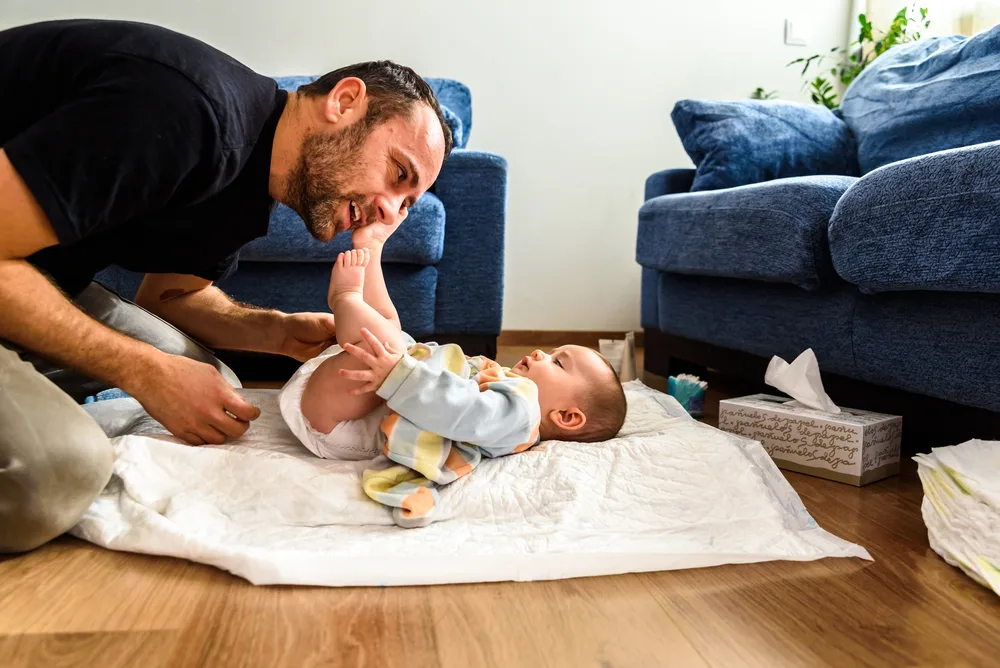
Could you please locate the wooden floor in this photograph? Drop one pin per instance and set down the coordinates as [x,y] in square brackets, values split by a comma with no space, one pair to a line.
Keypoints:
[73,604]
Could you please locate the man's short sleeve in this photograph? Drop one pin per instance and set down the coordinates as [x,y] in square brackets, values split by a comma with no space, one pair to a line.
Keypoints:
[140,139]
[221,270]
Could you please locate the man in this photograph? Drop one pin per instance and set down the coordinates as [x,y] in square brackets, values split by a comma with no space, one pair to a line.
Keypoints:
[128,144]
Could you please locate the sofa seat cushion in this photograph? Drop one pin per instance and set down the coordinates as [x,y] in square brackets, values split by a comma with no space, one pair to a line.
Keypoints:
[774,231]
[419,240]
[932,95]
[927,223]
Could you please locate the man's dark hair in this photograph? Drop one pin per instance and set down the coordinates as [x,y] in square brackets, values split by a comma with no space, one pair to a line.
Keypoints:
[392,90]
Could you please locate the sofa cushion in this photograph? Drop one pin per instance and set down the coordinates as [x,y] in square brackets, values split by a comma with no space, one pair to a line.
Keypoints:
[927,223]
[752,141]
[454,98]
[419,240]
[775,231]
[928,96]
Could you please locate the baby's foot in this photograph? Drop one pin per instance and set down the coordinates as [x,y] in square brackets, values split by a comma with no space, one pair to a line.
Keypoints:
[348,276]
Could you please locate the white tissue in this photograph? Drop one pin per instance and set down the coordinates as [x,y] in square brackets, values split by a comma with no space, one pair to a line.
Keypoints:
[801,381]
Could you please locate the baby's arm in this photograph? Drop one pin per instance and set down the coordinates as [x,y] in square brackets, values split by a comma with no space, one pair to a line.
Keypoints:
[502,417]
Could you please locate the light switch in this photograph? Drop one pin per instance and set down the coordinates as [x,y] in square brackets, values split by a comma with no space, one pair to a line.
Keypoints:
[796,32]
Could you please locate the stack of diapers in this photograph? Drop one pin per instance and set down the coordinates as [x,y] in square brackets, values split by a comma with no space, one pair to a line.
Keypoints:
[667,493]
[961,507]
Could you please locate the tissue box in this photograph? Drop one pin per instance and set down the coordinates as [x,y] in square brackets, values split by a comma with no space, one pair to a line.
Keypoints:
[853,447]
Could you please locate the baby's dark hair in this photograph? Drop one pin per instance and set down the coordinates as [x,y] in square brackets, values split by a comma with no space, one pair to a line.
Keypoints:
[605,407]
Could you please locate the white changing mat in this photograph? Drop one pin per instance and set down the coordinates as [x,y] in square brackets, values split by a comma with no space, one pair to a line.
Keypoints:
[668,493]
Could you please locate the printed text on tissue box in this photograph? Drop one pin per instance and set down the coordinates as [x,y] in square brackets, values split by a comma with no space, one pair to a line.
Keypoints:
[807,440]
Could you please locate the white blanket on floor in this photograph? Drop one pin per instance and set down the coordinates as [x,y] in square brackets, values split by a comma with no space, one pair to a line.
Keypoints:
[668,493]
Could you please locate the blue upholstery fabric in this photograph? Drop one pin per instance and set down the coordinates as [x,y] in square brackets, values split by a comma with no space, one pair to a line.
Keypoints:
[669,182]
[931,95]
[752,141]
[420,240]
[762,319]
[773,231]
[928,223]
[650,311]
[454,97]
[473,187]
[935,343]
[303,287]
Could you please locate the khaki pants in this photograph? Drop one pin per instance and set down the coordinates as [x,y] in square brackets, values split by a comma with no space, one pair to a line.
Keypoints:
[54,459]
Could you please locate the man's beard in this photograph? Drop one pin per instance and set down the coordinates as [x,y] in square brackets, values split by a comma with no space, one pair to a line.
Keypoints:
[316,186]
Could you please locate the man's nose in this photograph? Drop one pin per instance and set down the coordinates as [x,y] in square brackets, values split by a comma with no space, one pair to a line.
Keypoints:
[388,210]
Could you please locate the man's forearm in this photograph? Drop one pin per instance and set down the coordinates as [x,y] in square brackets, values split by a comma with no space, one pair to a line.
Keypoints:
[376,294]
[35,315]
[213,318]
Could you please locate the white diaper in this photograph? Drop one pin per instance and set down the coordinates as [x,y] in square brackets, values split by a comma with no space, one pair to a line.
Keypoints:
[352,439]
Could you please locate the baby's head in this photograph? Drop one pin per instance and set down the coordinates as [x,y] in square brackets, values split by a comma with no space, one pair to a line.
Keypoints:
[578,391]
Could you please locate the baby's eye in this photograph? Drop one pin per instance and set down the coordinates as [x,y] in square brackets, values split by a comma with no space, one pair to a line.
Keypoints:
[558,363]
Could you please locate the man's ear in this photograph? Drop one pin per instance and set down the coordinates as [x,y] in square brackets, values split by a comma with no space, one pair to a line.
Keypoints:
[347,102]
[570,419]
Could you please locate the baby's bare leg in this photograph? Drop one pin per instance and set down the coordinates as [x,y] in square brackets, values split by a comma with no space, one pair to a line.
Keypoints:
[326,400]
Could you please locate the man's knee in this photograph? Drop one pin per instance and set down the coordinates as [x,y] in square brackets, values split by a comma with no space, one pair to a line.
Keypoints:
[54,459]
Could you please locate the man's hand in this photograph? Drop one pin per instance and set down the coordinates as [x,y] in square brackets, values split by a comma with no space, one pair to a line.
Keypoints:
[380,363]
[193,401]
[305,335]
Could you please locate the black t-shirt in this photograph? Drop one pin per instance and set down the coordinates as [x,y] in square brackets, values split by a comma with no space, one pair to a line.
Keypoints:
[145,148]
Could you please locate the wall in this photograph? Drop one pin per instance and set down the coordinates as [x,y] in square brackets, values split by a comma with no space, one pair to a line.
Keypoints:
[576,94]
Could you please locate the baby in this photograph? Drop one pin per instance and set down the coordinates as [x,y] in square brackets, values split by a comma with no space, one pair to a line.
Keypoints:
[428,413]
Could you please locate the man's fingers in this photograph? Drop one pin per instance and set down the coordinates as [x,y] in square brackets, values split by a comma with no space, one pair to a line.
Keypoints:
[191,438]
[240,407]
[229,426]
[212,435]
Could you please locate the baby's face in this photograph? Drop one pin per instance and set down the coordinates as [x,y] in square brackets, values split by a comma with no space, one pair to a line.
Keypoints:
[562,376]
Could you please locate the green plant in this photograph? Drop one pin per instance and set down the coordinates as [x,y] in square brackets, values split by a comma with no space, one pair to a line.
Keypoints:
[860,54]
[761,94]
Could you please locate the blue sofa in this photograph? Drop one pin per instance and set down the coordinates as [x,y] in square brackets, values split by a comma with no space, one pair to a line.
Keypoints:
[892,278]
[443,267]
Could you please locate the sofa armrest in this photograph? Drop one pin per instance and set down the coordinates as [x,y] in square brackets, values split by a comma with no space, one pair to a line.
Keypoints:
[926,223]
[669,182]
[473,187]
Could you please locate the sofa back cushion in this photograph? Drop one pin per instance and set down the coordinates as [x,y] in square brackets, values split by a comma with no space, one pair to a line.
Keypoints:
[752,141]
[932,95]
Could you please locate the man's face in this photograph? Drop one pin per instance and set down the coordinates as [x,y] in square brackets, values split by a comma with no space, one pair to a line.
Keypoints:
[357,176]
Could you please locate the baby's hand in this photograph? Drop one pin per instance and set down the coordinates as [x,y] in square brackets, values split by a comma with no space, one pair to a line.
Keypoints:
[380,363]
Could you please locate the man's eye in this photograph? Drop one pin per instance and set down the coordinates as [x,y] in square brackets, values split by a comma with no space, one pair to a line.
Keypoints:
[400,174]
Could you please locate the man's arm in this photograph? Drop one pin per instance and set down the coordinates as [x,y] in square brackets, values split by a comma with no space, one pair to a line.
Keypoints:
[187,399]
[208,314]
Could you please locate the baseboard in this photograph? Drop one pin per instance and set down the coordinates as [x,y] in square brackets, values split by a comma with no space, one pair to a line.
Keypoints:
[546,338]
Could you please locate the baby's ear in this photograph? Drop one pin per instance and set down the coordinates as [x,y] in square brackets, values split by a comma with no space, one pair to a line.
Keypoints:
[570,419]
